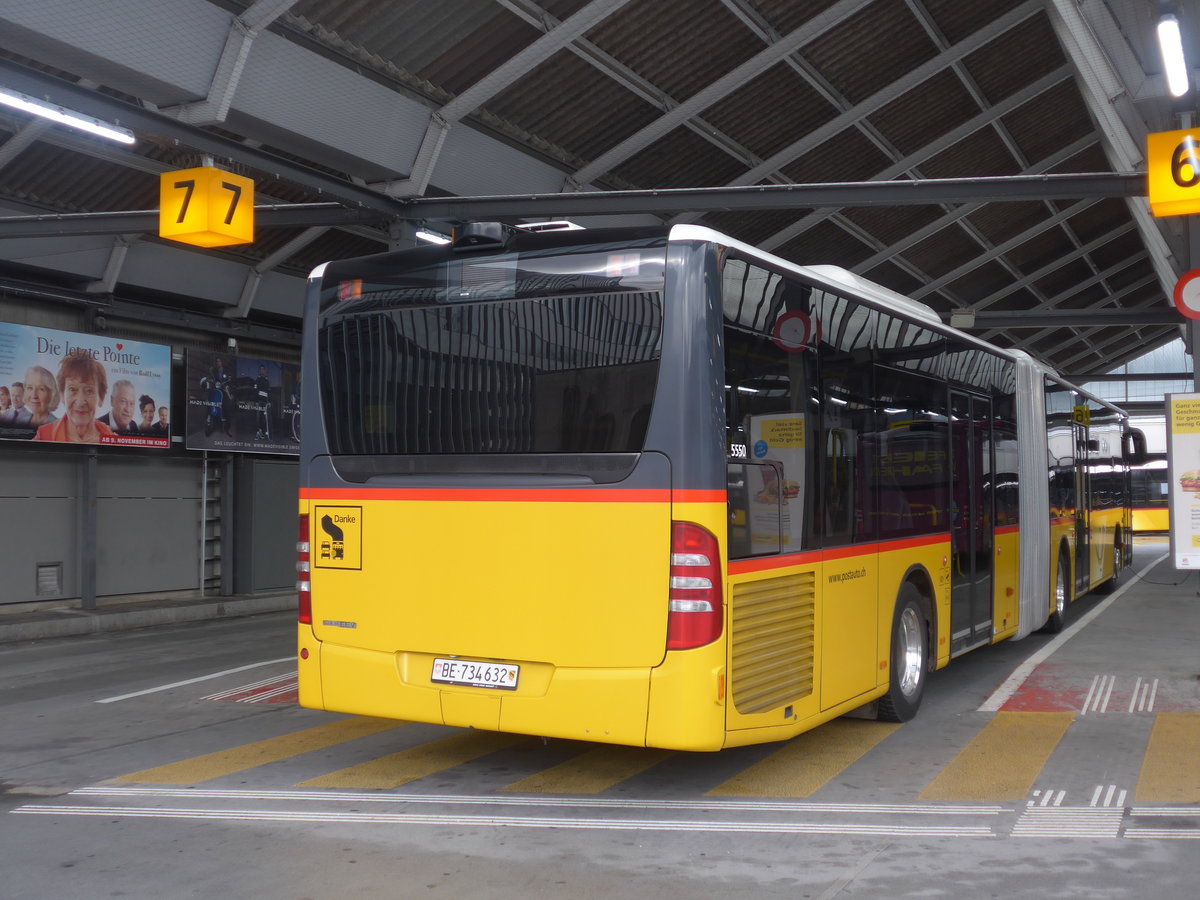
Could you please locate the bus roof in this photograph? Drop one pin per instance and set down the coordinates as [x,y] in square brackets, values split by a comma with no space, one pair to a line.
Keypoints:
[877,295]
[832,276]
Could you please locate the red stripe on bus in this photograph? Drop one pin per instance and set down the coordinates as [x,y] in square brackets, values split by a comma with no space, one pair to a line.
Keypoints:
[885,546]
[1065,520]
[699,496]
[744,566]
[522,495]
[542,495]
[1008,529]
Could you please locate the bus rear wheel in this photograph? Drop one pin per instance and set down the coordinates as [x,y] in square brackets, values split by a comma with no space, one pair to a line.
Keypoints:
[910,659]
[1058,617]
[1119,562]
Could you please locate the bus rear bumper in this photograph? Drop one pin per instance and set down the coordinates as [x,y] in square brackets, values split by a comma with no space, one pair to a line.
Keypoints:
[603,705]
[308,668]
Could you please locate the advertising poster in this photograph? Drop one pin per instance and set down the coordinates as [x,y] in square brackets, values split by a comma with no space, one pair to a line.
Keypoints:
[1183,458]
[779,441]
[240,404]
[65,387]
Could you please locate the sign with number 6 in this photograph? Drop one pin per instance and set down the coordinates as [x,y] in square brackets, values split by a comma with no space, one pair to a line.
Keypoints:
[1173,172]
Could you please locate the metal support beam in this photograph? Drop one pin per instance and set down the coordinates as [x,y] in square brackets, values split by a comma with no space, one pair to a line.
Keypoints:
[492,84]
[1132,376]
[1107,98]
[242,32]
[88,528]
[102,106]
[229,525]
[145,221]
[722,87]
[112,269]
[782,196]
[254,276]
[518,206]
[1145,343]
[534,15]
[1077,318]
[1081,251]
[999,250]
[902,168]
[894,90]
[19,142]
[202,323]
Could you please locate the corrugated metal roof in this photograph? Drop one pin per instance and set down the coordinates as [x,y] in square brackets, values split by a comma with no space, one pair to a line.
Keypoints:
[868,90]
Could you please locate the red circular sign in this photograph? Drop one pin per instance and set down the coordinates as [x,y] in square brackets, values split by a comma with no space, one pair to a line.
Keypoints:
[1187,294]
[792,331]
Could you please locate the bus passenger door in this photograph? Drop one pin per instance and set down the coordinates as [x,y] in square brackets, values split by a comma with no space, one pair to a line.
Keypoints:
[1083,503]
[971,542]
[849,612]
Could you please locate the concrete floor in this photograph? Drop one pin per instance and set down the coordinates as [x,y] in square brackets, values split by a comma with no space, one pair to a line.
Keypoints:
[172,762]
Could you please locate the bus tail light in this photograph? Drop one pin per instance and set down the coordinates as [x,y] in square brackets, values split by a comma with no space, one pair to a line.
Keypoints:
[694,609]
[303,573]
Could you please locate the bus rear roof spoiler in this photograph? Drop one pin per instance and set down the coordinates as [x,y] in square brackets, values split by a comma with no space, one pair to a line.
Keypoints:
[481,236]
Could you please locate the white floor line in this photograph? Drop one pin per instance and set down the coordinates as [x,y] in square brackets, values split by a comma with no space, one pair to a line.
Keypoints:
[542,800]
[1003,693]
[175,684]
[459,820]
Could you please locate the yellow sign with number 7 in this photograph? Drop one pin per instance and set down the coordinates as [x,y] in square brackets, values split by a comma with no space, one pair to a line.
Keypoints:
[206,207]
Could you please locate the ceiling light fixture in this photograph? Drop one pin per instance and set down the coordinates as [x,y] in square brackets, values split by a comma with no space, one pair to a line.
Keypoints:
[1170,44]
[432,237]
[28,104]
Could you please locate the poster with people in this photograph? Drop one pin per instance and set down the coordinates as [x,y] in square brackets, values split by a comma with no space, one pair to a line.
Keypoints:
[241,404]
[66,387]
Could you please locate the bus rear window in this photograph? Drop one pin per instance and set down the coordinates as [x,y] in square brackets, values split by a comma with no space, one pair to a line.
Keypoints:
[555,374]
[438,276]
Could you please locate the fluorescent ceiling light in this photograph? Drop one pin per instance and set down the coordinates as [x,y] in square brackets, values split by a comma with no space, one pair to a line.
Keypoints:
[557,225]
[433,237]
[63,116]
[1170,44]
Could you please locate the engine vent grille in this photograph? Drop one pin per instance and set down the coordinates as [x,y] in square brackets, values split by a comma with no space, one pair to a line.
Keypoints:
[773,642]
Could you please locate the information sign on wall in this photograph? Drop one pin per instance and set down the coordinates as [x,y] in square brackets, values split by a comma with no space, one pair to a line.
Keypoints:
[1183,466]
[66,387]
[242,405]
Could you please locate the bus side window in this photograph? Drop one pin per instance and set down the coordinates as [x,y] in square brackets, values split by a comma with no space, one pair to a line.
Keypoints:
[757,509]
[839,484]
[849,444]
[770,412]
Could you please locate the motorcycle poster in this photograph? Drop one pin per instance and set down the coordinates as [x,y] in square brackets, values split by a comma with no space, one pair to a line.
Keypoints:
[241,404]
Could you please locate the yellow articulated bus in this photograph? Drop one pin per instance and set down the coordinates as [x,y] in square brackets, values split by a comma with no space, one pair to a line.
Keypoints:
[1149,496]
[655,487]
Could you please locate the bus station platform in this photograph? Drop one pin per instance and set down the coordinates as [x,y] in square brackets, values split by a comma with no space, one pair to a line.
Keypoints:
[1135,649]
[140,611]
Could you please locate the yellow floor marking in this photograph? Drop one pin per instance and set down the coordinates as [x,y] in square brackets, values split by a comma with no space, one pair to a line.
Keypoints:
[808,762]
[1003,760]
[237,759]
[592,772]
[417,762]
[1169,771]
